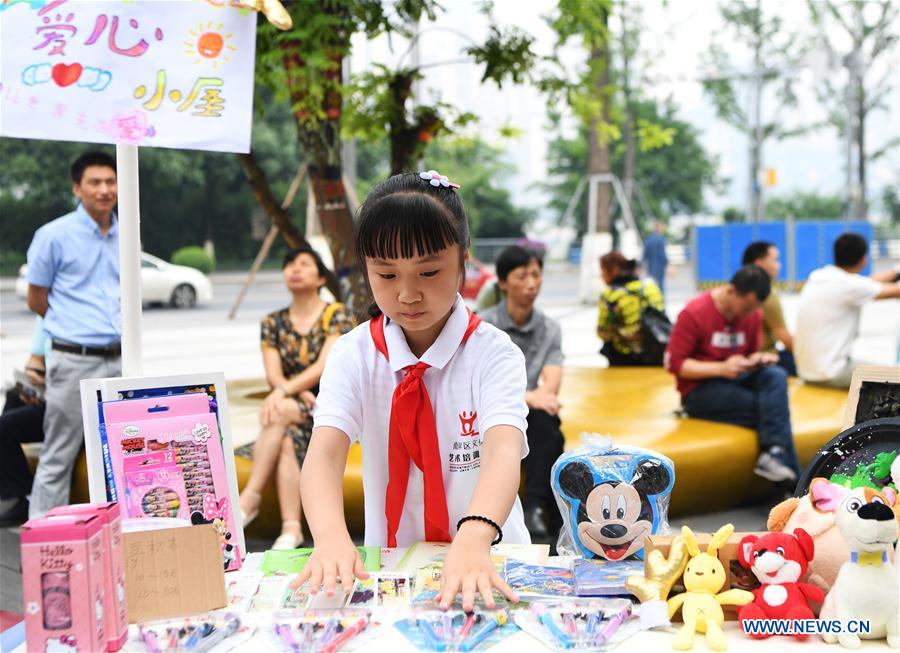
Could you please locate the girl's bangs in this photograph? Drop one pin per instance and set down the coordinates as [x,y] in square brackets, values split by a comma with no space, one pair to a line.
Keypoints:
[406,225]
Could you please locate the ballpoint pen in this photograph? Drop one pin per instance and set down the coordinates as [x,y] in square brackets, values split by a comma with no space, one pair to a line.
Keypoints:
[150,641]
[547,620]
[346,636]
[467,627]
[490,624]
[434,642]
[609,629]
[220,634]
[197,634]
[284,633]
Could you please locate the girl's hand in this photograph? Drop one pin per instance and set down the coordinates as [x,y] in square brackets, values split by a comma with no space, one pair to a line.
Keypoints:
[330,560]
[469,569]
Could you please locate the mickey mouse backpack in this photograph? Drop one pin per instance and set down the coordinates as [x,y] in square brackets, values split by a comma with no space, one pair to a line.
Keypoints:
[611,497]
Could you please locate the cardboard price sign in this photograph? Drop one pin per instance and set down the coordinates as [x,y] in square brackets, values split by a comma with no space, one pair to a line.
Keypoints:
[173,572]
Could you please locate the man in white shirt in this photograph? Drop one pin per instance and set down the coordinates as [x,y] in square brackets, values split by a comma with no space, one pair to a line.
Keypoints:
[829,312]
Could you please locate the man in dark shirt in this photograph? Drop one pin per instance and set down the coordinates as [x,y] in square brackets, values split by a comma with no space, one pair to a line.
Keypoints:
[540,338]
[723,376]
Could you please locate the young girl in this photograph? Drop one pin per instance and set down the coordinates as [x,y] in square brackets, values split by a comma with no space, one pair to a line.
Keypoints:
[435,397]
[295,342]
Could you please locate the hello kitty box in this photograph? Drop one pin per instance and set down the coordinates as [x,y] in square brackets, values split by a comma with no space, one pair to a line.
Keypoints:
[63,576]
[115,605]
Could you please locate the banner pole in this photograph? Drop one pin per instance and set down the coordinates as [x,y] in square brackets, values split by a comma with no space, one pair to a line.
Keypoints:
[130,259]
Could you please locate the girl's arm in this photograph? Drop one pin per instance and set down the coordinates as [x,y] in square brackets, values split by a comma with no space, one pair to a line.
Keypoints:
[321,486]
[469,568]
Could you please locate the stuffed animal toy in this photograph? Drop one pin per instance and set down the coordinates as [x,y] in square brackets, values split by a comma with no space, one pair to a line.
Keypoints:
[701,605]
[611,498]
[866,587]
[831,550]
[652,589]
[779,560]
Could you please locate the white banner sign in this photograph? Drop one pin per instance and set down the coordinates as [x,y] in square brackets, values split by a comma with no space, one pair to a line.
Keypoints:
[161,73]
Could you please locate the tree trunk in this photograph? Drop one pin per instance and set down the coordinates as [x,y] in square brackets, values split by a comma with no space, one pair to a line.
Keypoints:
[599,157]
[628,136]
[209,204]
[279,216]
[755,208]
[321,141]
[860,202]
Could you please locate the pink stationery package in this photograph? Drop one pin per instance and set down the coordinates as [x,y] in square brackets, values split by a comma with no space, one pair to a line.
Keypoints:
[167,460]
[63,579]
[115,605]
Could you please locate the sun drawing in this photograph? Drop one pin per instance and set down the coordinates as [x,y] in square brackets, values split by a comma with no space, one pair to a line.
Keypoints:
[209,43]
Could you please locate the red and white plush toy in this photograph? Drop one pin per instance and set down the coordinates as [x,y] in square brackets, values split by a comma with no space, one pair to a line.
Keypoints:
[779,560]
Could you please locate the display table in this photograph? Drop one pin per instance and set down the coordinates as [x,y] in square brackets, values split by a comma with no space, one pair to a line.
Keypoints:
[387,638]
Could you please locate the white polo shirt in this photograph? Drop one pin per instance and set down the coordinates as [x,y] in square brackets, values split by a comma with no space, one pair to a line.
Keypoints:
[828,320]
[472,388]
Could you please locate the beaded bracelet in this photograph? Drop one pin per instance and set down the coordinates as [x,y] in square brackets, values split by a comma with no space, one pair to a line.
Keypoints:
[486,520]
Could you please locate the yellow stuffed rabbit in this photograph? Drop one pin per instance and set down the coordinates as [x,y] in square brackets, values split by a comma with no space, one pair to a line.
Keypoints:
[701,605]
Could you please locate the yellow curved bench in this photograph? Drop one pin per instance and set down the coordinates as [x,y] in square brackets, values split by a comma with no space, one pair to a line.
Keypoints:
[636,406]
[713,461]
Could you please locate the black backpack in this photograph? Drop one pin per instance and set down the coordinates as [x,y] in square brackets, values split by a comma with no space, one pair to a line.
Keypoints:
[656,328]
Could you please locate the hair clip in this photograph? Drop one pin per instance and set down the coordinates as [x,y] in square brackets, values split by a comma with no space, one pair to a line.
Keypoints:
[435,178]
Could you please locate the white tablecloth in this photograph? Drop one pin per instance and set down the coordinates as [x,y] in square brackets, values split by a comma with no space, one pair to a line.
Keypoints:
[389,640]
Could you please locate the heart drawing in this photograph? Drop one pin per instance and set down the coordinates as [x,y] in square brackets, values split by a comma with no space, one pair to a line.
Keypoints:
[65,75]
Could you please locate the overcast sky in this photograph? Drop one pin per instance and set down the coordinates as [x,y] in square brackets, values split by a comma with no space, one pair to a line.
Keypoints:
[676,37]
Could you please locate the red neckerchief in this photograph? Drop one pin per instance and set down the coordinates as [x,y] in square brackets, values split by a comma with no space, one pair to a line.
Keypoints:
[413,436]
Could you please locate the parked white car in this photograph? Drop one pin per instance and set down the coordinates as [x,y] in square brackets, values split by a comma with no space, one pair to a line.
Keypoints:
[161,282]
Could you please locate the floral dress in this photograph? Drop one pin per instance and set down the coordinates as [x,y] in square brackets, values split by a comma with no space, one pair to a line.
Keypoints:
[297,352]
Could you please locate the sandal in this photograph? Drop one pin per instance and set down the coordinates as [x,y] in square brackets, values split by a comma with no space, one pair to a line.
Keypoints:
[248,517]
[288,541]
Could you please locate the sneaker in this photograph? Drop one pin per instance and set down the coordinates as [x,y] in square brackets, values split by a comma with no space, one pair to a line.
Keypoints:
[773,465]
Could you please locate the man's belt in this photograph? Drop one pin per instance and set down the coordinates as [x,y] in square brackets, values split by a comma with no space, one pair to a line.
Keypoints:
[112,351]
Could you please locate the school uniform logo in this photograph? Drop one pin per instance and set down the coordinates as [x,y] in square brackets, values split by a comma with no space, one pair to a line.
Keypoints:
[465,454]
[467,423]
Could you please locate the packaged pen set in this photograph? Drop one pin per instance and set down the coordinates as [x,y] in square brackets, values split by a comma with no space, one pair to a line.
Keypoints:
[595,625]
[197,634]
[164,457]
[319,631]
[432,629]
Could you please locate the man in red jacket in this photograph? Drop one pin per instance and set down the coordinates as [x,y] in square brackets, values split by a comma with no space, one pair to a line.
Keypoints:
[722,376]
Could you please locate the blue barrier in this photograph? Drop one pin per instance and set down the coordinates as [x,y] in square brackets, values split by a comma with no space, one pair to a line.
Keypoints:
[804,245]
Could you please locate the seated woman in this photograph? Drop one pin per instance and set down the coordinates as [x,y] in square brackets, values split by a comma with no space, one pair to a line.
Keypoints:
[622,306]
[295,343]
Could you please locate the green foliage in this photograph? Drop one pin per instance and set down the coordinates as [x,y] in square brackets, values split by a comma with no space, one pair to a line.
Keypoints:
[506,53]
[733,214]
[10,262]
[890,199]
[35,188]
[780,53]
[479,169]
[318,42]
[671,178]
[804,205]
[194,257]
